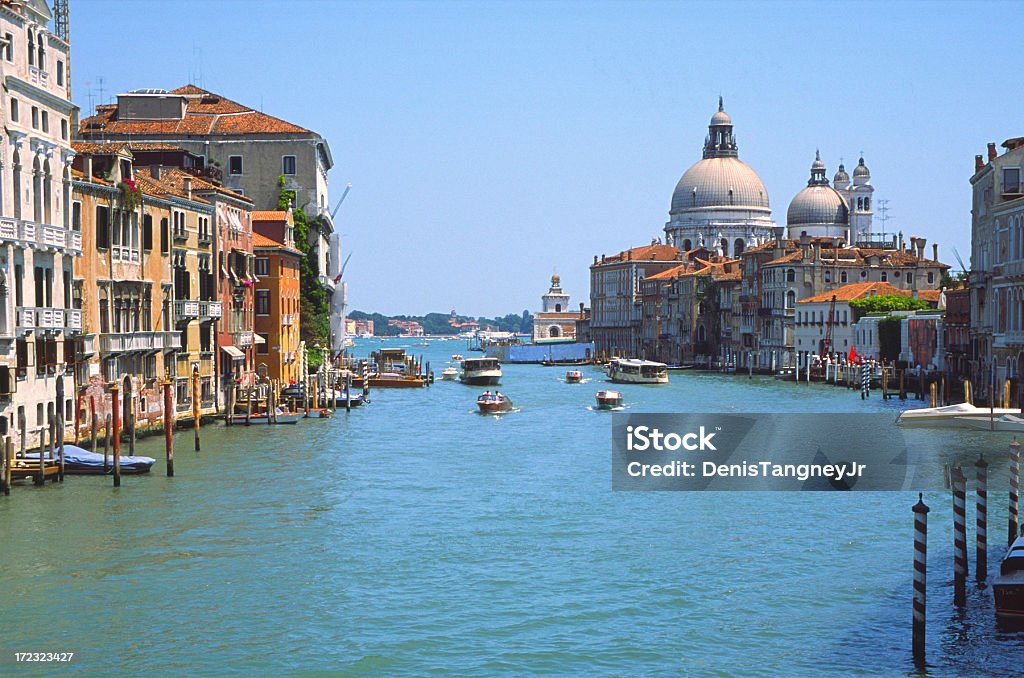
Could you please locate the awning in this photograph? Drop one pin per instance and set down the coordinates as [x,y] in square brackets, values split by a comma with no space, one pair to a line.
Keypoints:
[257,339]
[233,352]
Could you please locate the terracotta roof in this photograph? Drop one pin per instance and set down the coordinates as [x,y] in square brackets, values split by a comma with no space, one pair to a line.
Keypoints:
[857,256]
[670,273]
[861,290]
[98,147]
[930,295]
[154,146]
[645,253]
[269,215]
[170,184]
[205,113]
[260,240]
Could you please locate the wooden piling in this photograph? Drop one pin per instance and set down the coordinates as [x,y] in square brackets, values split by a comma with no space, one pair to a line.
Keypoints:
[41,477]
[129,415]
[1006,394]
[932,390]
[23,427]
[271,407]
[106,442]
[229,419]
[248,409]
[968,396]
[8,463]
[195,404]
[95,421]
[943,395]
[169,427]
[959,536]
[116,420]
[920,576]
[348,392]
[1014,486]
[885,382]
[981,519]
[79,405]
[903,385]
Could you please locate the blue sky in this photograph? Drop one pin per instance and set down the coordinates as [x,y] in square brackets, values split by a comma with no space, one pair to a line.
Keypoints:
[490,144]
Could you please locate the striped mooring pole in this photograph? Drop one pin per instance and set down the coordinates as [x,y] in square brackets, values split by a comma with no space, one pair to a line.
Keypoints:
[959,536]
[981,520]
[865,380]
[1014,484]
[920,574]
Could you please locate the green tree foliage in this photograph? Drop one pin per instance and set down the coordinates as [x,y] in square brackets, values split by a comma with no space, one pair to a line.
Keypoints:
[314,304]
[886,303]
[437,323]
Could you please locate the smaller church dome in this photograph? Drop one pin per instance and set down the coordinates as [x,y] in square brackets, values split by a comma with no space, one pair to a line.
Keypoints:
[555,280]
[818,204]
[861,169]
[841,176]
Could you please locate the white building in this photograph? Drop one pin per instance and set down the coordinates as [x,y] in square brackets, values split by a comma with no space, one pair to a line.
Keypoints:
[922,338]
[815,315]
[720,202]
[39,239]
[556,322]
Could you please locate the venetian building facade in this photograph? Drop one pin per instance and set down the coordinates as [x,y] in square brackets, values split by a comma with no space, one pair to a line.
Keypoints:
[997,265]
[38,239]
[556,322]
[720,202]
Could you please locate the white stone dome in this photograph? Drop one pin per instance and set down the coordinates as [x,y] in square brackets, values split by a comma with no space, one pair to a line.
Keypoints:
[719,182]
[818,205]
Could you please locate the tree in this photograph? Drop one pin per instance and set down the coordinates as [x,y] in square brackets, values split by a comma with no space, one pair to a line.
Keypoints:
[314,304]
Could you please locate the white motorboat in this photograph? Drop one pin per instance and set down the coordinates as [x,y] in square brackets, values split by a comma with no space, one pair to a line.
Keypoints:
[1008,586]
[457,358]
[480,371]
[449,374]
[632,371]
[609,400]
[950,416]
[1007,423]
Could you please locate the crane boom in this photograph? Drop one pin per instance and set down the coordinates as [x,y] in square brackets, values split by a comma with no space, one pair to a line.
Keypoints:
[826,344]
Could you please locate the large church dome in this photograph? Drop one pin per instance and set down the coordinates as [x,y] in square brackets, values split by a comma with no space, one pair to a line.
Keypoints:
[818,205]
[719,182]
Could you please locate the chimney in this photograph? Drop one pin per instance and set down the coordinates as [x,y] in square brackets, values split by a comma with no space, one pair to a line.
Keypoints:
[921,242]
[602,258]
[979,164]
[817,251]
[779,231]
[581,310]
[913,244]
[901,241]
[992,151]
[595,258]
[188,187]
[154,171]
[935,251]
[88,168]
[629,255]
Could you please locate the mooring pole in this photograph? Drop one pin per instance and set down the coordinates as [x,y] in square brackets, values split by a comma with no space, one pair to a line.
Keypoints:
[168,428]
[95,421]
[1014,485]
[195,404]
[981,520]
[116,420]
[59,426]
[920,575]
[959,536]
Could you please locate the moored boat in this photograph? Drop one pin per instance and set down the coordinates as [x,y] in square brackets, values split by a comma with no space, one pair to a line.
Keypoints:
[281,416]
[573,377]
[951,416]
[83,462]
[633,371]
[1006,423]
[449,374]
[1008,586]
[481,372]
[355,401]
[494,403]
[608,399]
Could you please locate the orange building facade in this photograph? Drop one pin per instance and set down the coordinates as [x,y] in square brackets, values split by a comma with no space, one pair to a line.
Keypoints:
[277,292]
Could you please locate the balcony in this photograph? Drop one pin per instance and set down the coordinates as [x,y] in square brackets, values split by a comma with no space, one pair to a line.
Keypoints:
[328,282]
[172,340]
[205,239]
[211,309]
[287,319]
[185,310]
[121,342]
[180,235]
[243,339]
[210,173]
[73,320]
[37,76]
[30,234]
[42,318]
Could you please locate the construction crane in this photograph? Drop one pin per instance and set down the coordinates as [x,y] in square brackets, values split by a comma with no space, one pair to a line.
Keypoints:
[826,343]
[62,28]
[340,200]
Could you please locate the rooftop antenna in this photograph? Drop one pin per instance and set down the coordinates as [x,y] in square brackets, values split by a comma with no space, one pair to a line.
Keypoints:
[883,213]
[62,27]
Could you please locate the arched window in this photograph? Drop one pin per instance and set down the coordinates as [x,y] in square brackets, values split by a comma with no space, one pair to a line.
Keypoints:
[737,247]
[37,191]
[725,247]
[555,331]
[790,299]
[867,203]
[558,308]
[47,193]
[687,245]
[843,277]
[16,175]
[790,275]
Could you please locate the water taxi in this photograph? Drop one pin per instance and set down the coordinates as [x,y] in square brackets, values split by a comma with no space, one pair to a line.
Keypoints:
[449,374]
[457,358]
[952,416]
[632,371]
[494,403]
[608,399]
[573,377]
[480,371]
[1008,586]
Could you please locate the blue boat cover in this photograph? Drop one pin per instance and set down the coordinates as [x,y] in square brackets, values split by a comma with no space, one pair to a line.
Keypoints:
[74,455]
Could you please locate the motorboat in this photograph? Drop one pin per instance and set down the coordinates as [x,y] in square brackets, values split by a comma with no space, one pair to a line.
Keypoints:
[450,373]
[395,380]
[573,377]
[480,372]
[457,358]
[356,400]
[494,403]
[951,416]
[1006,423]
[281,416]
[608,399]
[83,462]
[1008,586]
[633,371]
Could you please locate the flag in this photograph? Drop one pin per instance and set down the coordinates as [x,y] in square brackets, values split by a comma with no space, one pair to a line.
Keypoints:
[852,357]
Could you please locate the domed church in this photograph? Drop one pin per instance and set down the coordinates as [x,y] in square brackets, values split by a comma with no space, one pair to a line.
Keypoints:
[720,202]
[821,210]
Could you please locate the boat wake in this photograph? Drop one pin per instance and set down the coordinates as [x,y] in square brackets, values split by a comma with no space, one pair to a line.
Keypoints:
[594,408]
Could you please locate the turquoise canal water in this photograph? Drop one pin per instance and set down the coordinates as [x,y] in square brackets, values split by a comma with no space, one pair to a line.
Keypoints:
[416,536]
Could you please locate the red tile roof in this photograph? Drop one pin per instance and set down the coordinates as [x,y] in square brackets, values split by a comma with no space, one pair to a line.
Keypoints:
[260,240]
[645,253]
[206,113]
[98,147]
[865,289]
[269,215]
